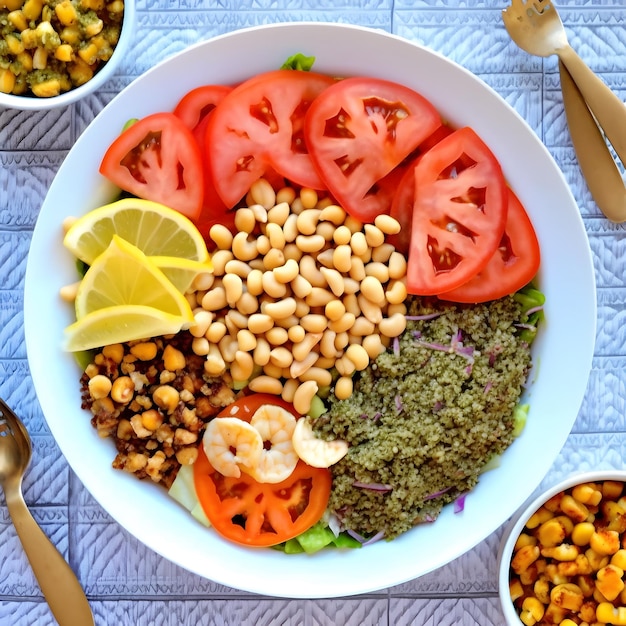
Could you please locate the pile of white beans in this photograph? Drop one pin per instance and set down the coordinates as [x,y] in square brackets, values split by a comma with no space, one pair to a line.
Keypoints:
[300,289]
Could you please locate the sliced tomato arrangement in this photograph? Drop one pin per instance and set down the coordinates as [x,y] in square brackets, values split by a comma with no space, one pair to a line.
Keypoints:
[514,264]
[459,213]
[261,514]
[358,131]
[157,158]
[259,127]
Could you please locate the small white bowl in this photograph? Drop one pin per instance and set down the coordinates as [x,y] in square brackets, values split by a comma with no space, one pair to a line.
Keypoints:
[33,103]
[518,521]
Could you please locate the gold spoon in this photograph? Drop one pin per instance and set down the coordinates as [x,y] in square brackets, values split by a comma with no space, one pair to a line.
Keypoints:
[58,582]
[596,162]
[535,26]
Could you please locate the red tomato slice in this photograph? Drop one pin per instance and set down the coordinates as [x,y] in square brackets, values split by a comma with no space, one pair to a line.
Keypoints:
[404,195]
[514,264]
[195,109]
[358,131]
[258,126]
[158,159]
[261,514]
[458,216]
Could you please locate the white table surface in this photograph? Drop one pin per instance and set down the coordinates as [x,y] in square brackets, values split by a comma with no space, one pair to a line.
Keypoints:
[128,584]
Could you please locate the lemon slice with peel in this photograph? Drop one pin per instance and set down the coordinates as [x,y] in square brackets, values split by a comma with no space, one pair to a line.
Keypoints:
[181,272]
[124,275]
[119,324]
[154,228]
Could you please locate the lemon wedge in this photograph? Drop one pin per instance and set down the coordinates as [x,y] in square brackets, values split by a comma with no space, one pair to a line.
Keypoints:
[124,275]
[181,272]
[118,324]
[154,228]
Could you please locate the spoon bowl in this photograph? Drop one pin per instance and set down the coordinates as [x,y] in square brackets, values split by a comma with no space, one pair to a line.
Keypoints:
[58,582]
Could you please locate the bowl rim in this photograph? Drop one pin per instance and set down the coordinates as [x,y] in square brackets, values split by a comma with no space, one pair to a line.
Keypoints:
[32,103]
[519,519]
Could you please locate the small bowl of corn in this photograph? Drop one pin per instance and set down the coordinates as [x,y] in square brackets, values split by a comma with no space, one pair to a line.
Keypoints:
[562,559]
[55,53]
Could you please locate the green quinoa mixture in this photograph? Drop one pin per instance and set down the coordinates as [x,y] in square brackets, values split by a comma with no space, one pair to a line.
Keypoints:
[427,416]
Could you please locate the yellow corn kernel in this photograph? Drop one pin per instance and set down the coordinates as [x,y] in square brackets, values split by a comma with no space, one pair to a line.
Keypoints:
[91,30]
[541,589]
[40,58]
[554,614]
[144,351]
[529,575]
[115,352]
[47,88]
[608,614]
[581,533]
[619,559]
[587,493]
[94,5]
[562,552]
[29,38]
[14,44]
[17,20]
[32,9]
[115,8]
[79,72]
[551,533]
[524,540]
[532,611]
[66,13]
[173,359]
[587,612]
[538,517]
[524,558]
[515,589]
[7,80]
[587,584]
[615,513]
[609,581]
[25,59]
[568,622]
[604,541]
[596,560]
[574,509]
[11,5]
[70,34]
[612,489]
[64,53]
[567,596]
[89,53]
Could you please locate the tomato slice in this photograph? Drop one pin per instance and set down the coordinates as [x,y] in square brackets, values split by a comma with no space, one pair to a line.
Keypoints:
[357,131]
[514,264]
[459,213]
[195,109]
[258,126]
[157,158]
[404,194]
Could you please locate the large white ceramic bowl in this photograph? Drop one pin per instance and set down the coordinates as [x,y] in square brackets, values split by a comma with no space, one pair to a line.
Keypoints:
[563,350]
[104,73]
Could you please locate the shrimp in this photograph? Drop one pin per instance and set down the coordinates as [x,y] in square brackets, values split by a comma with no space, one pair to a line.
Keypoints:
[314,451]
[225,434]
[275,426]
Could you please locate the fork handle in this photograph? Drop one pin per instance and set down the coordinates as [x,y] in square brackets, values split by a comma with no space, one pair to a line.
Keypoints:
[596,161]
[607,108]
[56,579]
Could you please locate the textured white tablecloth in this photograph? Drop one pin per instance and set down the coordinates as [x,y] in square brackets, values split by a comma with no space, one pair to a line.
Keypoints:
[127,584]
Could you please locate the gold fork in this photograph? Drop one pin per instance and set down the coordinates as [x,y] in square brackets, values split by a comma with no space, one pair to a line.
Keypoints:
[535,26]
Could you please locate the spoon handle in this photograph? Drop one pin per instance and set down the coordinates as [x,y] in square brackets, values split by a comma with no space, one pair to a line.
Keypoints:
[607,108]
[58,582]
[596,161]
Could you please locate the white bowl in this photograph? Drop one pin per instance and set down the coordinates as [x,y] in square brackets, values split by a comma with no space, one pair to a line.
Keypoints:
[518,522]
[563,349]
[33,103]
